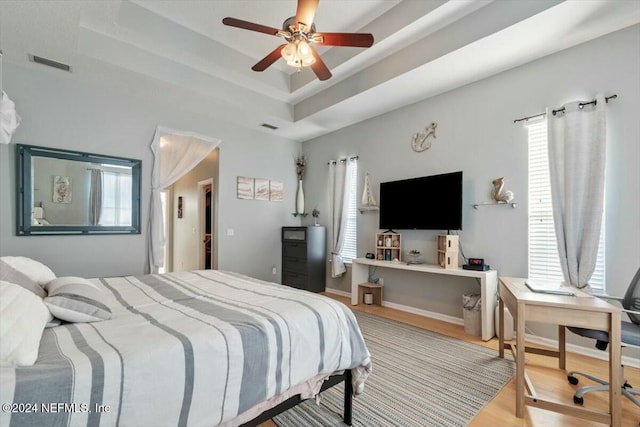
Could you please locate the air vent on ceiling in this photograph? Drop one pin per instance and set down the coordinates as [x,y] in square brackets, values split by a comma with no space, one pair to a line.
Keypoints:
[268,126]
[50,63]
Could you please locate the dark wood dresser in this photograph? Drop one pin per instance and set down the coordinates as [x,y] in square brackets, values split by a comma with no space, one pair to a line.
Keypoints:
[304,257]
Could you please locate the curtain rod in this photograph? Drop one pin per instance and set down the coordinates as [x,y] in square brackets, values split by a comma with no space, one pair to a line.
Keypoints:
[561,110]
[330,162]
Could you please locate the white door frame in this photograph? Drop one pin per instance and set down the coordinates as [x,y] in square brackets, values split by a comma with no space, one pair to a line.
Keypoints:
[168,230]
[201,222]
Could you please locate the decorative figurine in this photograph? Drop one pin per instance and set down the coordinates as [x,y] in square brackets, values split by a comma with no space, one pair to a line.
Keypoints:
[419,140]
[497,192]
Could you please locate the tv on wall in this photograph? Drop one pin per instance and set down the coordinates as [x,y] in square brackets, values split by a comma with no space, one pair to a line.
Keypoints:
[426,203]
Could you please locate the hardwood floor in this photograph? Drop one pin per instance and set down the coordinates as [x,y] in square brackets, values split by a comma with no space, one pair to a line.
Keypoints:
[546,378]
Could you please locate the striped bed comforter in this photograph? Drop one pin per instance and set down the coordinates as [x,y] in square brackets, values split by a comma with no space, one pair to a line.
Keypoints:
[192,348]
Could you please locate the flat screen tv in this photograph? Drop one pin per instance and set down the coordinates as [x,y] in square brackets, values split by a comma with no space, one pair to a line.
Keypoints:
[426,203]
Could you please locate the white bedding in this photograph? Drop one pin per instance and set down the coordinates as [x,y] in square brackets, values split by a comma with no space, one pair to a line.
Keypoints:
[192,348]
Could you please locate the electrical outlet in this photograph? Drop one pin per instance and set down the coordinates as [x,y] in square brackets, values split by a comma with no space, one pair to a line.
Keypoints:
[274,271]
[230,232]
[381,281]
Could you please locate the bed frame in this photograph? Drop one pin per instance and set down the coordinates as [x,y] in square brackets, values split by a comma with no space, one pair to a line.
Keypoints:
[296,400]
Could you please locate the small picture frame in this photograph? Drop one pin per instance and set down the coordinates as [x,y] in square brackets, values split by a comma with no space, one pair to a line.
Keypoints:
[245,188]
[261,187]
[276,193]
[62,190]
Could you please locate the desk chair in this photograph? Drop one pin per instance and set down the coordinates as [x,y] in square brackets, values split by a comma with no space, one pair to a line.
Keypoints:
[629,337]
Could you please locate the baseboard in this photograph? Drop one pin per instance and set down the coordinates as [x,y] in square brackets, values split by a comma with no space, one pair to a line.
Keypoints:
[338,292]
[406,308]
[534,339]
[578,349]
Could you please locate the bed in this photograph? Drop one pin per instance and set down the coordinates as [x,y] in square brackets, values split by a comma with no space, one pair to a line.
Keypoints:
[201,348]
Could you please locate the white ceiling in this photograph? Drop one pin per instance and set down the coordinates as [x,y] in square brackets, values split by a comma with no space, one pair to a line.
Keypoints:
[422,48]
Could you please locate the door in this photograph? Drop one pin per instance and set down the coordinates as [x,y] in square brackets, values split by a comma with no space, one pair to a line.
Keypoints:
[206,224]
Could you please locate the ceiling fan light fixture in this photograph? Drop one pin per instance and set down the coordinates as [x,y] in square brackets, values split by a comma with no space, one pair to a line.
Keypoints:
[305,54]
[298,53]
[299,32]
[289,52]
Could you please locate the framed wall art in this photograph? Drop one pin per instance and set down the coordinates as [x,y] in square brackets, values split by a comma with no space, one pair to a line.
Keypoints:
[62,190]
[245,188]
[261,187]
[276,193]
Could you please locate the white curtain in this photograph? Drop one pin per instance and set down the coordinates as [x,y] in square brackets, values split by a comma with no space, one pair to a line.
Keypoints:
[175,153]
[577,144]
[9,118]
[339,184]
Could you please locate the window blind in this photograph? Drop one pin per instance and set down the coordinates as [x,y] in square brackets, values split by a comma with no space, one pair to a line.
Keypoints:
[544,261]
[350,249]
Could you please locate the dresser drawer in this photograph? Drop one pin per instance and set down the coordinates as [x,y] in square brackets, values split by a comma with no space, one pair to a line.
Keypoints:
[294,265]
[294,233]
[294,250]
[294,279]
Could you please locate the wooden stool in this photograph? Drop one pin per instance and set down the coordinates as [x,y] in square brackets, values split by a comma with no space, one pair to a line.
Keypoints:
[374,289]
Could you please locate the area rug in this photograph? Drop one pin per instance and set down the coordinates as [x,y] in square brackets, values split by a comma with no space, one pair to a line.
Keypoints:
[419,378]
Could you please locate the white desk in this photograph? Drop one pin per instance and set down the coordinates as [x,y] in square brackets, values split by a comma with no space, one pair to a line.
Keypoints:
[488,284]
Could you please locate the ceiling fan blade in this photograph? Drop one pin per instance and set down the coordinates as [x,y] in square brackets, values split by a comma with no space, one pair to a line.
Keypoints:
[246,25]
[345,39]
[269,59]
[306,11]
[319,67]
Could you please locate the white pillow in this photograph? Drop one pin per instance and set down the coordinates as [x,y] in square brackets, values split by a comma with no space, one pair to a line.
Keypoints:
[12,275]
[76,299]
[23,316]
[36,271]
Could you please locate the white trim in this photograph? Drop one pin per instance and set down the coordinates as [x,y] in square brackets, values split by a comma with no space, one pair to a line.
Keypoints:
[573,348]
[162,131]
[407,309]
[168,229]
[338,292]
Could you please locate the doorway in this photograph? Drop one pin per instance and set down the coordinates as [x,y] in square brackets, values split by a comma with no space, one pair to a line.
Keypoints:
[205,213]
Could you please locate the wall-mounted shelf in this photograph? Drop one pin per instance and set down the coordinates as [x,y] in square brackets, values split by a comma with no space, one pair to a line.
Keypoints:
[512,204]
[364,209]
[300,214]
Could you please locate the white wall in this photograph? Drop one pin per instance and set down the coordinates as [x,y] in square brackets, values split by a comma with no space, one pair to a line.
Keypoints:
[476,134]
[99,109]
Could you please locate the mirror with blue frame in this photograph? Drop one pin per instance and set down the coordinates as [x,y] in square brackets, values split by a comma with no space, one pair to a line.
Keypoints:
[71,192]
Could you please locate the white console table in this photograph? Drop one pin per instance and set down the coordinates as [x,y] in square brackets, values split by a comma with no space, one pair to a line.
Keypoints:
[488,284]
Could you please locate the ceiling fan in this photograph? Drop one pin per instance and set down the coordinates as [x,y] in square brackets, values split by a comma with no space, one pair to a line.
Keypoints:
[300,33]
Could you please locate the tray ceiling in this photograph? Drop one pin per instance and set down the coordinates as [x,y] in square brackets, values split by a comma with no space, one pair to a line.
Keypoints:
[422,48]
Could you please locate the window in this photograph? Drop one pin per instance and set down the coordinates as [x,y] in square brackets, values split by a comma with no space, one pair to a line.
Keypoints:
[116,199]
[350,248]
[544,261]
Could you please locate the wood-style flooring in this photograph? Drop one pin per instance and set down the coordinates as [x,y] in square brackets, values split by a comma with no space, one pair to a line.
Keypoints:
[548,381]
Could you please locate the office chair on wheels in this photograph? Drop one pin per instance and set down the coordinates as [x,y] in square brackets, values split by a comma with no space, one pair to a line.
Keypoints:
[629,337]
